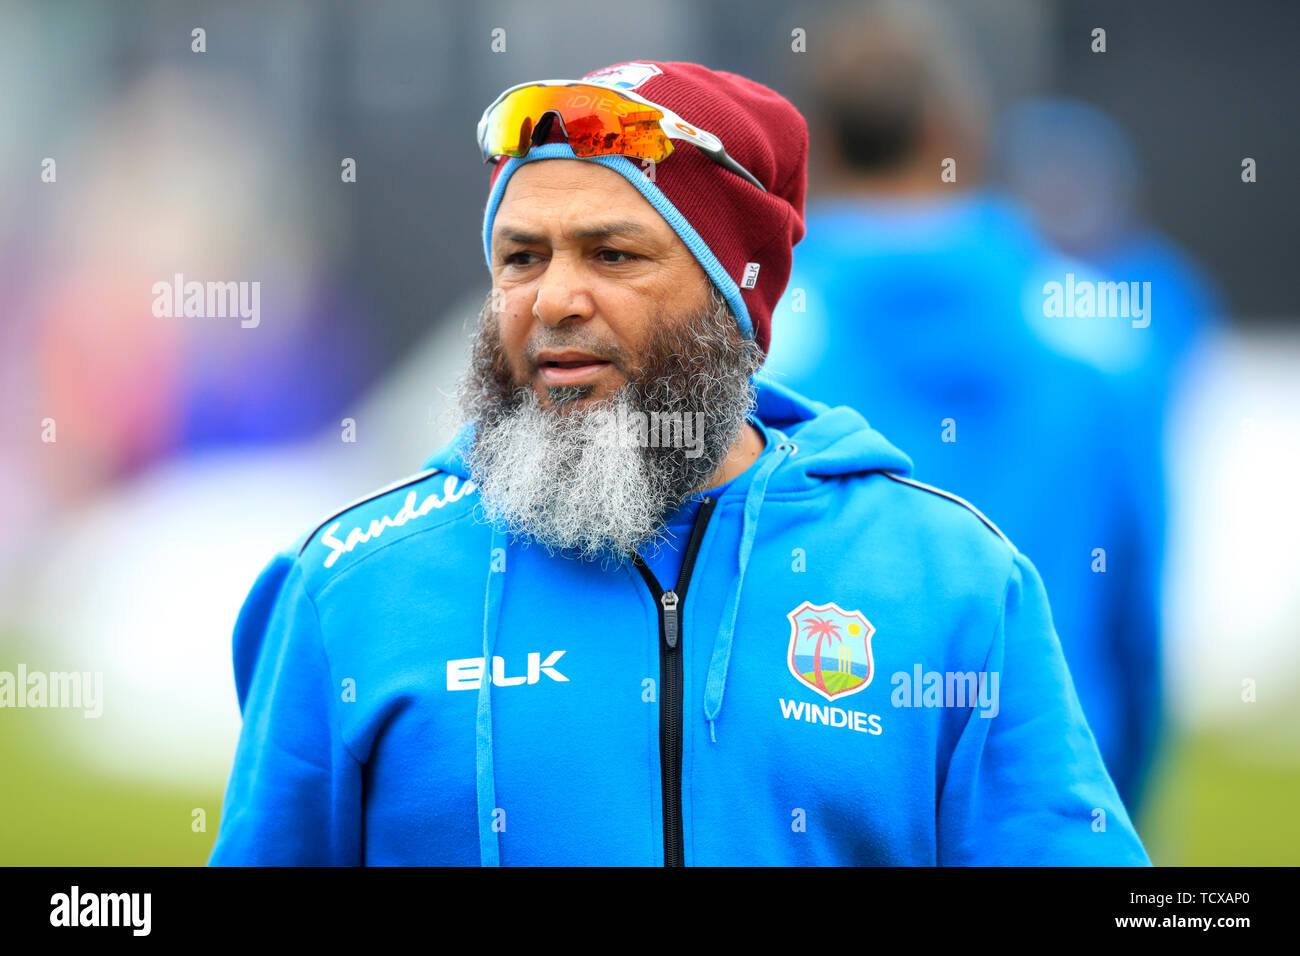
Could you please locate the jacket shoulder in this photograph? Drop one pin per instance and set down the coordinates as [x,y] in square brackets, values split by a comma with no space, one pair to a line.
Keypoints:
[949,535]
[423,502]
[962,502]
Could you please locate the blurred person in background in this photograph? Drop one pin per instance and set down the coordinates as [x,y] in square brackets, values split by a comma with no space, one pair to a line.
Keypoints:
[128,386]
[917,298]
[109,386]
[1076,171]
[162,425]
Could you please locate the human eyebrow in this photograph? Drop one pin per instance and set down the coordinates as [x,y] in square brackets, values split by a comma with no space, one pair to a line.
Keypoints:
[519,236]
[622,227]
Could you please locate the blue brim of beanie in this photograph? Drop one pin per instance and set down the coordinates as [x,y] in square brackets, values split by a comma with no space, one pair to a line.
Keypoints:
[633,174]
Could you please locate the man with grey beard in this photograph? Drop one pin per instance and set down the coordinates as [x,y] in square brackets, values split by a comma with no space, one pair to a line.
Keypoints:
[420,685]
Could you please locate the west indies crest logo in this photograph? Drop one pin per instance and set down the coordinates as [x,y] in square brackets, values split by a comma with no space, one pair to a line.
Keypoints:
[830,649]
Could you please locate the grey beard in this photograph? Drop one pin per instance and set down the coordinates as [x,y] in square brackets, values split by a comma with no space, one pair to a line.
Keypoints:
[598,482]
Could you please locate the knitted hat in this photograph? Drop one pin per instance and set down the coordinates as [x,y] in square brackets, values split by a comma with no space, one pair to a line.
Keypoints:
[742,236]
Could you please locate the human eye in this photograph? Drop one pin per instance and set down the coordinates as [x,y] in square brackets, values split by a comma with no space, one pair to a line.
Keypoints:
[627,256]
[511,259]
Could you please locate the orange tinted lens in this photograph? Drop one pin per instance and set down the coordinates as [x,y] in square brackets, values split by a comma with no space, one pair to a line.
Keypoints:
[599,122]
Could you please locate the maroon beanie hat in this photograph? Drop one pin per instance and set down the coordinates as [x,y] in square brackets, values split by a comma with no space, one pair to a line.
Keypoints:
[742,236]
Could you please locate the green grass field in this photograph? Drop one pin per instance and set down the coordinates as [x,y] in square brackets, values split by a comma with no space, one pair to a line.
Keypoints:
[1216,803]
[54,812]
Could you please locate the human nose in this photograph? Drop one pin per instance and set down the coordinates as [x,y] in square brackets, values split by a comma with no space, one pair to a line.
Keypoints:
[562,293]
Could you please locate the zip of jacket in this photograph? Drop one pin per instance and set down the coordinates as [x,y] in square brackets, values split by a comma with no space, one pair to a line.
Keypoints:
[670,684]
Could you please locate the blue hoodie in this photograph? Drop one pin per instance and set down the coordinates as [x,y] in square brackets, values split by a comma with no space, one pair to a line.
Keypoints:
[851,669]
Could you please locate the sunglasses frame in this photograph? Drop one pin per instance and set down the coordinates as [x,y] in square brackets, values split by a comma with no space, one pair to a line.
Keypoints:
[673,126]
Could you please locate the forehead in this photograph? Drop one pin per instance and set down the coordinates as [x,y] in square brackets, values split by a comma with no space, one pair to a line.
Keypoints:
[575,199]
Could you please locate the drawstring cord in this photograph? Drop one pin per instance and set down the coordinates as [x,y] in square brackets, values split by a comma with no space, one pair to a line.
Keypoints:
[489,839]
[716,682]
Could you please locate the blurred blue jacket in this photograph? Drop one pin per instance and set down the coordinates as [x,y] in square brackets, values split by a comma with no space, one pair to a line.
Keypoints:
[927,317]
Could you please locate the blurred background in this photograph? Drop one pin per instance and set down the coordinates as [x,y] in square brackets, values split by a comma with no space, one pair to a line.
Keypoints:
[154,462]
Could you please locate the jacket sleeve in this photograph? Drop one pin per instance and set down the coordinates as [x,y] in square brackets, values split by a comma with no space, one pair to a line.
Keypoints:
[294,795]
[1026,786]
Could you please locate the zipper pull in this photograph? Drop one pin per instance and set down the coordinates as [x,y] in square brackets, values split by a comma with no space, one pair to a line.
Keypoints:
[669,602]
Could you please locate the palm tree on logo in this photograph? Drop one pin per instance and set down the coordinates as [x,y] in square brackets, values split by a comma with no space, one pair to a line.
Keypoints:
[822,629]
